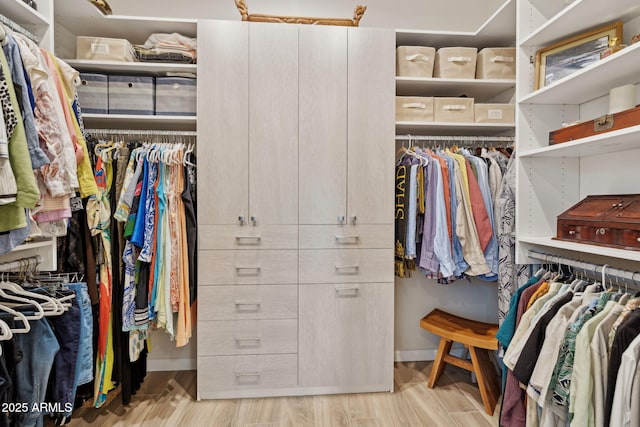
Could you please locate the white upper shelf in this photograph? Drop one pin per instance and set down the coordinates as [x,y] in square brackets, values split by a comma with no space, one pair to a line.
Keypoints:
[581,247]
[81,18]
[146,68]
[132,121]
[499,30]
[20,13]
[608,142]
[591,82]
[482,89]
[579,16]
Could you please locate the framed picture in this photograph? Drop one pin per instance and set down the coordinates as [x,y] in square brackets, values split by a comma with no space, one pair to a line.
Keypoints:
[573,54]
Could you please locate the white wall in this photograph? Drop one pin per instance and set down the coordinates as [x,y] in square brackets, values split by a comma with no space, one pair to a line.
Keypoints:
[454,15]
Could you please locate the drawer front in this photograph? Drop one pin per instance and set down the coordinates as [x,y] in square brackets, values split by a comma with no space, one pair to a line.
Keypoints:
[346,236]
[346,265]
[248,267]
[219,373]
[248,237]
[245,302]
[579,233]
[630,238]
[231,337]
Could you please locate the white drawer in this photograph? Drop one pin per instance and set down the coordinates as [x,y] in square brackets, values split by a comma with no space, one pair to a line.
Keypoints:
[248,237]
[247,267]
[229,337]
[218,373]
[346,265]
[346,236]
[244,302]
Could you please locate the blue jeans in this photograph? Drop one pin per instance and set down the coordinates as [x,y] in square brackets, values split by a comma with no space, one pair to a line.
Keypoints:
[84,366]
[39,347]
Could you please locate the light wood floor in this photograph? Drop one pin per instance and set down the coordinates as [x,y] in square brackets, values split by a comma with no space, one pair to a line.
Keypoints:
[168,399]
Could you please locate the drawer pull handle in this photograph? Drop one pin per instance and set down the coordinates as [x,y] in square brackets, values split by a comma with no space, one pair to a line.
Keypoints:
[602,231]
[247,373]
[241,303]
[240,270]
[572,232]
[348,239]
[638,240]
[240,339]
[248,240]
[351,290]
[354,268]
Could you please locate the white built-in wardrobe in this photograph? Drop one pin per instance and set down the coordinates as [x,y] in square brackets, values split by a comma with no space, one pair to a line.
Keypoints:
[295,212]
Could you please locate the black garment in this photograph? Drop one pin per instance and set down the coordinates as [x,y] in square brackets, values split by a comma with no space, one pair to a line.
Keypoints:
[66,328]
[529,356]
[626,333]
[192,235]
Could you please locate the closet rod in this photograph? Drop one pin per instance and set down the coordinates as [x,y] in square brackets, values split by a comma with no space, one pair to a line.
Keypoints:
[21,263]
[582,266]
[18,29]
[454,138]
[131,132]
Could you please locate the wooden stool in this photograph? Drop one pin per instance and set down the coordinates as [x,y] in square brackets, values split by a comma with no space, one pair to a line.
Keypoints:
[479,338]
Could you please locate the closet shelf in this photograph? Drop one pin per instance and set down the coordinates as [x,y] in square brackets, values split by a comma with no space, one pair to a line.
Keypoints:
[591,82]
[46,248]
[616,141]
[581,247]
[22,14]
[475,88]
[127,121]
[433,128]
[579,16]
[146,68]
[498,30]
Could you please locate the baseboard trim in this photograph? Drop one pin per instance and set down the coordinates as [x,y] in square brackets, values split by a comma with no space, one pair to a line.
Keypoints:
[155,365]
[423,355]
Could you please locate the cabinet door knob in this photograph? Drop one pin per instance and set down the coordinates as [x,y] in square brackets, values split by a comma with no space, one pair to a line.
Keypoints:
[638,240]
[572,232]
[341,219]
[254,220]
[354,219]
[241,220]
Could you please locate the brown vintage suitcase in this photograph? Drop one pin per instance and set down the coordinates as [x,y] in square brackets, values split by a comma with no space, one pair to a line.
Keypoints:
[603,220]
[608,123]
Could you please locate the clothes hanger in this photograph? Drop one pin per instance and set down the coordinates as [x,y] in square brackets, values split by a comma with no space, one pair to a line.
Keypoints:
[39,311]
[3,35]
[33,296]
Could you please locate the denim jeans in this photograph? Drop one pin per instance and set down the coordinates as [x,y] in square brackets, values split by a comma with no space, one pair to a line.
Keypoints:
[39,347]
[84,363]
[67,329]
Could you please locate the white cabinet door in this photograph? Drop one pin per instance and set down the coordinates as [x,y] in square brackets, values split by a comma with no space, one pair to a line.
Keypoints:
[346,335]
[371,134]
[273,124]
[223,135]
[323,124]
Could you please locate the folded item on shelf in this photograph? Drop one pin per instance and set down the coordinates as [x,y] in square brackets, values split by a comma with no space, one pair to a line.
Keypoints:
[164,55]
[173,42]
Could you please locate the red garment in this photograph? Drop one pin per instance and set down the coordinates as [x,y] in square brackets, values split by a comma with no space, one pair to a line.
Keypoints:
[514,409]
[480,215]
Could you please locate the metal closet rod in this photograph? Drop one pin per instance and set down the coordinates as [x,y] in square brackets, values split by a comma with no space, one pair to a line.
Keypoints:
[18,29]
[135,132]
[595,269]
[454,138]
[18,264]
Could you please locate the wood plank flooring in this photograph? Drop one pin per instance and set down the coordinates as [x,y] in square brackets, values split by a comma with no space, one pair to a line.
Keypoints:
[168,399]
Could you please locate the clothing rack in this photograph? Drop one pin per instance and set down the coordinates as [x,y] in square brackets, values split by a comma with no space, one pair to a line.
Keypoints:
[596,270]
[31,263]
[441,138]
[162,135]
[18,29]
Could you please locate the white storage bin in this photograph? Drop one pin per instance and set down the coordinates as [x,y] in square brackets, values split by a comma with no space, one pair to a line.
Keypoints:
[415,61]
[456,63]
[459,110]
[495,113]
[93,93]
[496,63]
[104,49]
[176,96]
[131,95]
[414,109]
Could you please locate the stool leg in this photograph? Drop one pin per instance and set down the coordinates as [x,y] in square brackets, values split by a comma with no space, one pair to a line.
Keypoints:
[487,378]
[438,365]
